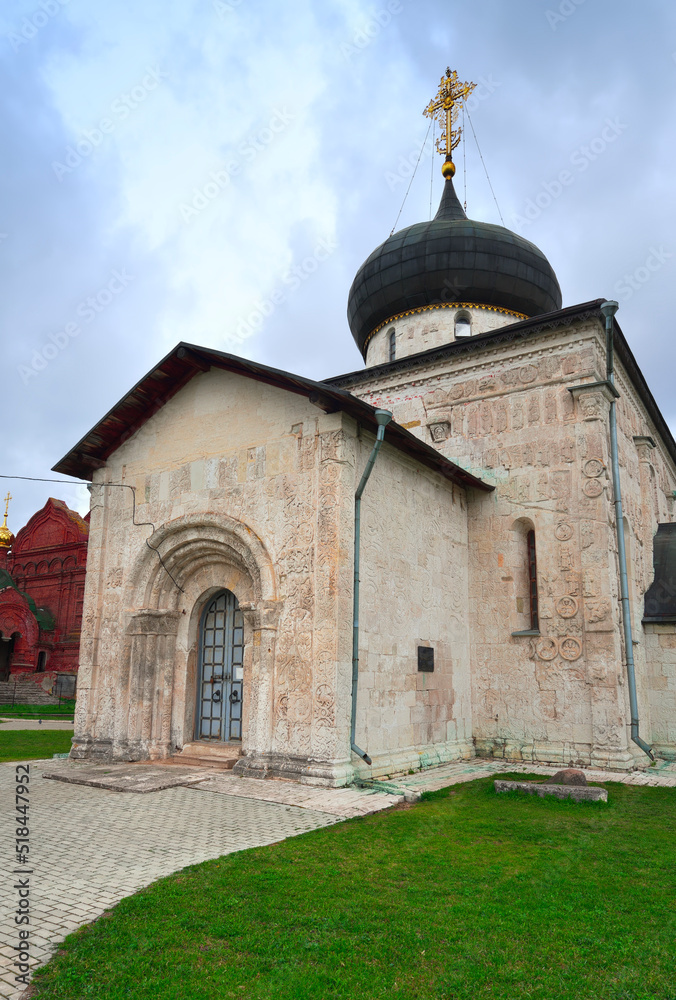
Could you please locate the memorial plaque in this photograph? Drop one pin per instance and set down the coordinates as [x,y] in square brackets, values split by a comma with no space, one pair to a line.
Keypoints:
[426,659]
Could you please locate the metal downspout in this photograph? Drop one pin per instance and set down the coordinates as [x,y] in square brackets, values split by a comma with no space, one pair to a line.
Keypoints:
[383,418]
[609,309]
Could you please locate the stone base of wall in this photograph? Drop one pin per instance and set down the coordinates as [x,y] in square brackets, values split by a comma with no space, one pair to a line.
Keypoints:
[558,754]
[665,751]
[401,761]
[107,751]
[332,773]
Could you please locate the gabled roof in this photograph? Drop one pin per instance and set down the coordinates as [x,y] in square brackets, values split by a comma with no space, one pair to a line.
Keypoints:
[186,360]
[511,333]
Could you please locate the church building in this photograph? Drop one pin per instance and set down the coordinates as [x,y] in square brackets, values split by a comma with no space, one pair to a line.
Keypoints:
[465,548]
[42,580]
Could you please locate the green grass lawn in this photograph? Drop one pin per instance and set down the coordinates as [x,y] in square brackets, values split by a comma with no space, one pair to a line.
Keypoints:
[64,710]
[33,744]
[465,896]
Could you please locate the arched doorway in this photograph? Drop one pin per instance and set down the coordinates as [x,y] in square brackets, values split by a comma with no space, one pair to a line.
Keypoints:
[6,650]
[219,682]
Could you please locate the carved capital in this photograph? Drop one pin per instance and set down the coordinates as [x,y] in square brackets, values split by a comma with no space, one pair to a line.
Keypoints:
[593,399]
[150,621]
[644,445]
[262,614]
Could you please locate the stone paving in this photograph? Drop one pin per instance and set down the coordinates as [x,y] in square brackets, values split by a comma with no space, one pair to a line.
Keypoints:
[92,846]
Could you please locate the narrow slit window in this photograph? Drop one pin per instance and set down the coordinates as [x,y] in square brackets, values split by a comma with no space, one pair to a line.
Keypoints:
[463,324]
[532,582]
[392,343]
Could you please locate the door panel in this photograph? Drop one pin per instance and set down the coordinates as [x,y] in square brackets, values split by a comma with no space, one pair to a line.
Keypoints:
[221,670]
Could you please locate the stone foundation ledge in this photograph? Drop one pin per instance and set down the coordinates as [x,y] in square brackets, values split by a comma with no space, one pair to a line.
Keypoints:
[388,763]
[579,793]
[558,754]
[327,773]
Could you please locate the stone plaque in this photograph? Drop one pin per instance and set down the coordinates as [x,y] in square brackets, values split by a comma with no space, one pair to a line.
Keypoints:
[563,531]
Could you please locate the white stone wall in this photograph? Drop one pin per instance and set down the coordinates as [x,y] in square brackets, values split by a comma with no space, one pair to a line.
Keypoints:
[413,593]
[244,486]
[507,416]
[660,653]
[431,328]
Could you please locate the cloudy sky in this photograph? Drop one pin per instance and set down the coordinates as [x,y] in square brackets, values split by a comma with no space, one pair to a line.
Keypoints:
[170,166]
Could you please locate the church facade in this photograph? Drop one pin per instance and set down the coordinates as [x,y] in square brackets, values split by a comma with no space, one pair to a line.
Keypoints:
[42,580]
[500,611]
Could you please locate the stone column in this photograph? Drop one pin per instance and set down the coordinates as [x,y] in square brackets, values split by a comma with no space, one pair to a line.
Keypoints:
[143,719]
[261,619]
[602,646]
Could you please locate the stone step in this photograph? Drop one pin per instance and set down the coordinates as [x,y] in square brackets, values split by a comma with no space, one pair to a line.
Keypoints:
[25,693]
[214,764]
[220,756]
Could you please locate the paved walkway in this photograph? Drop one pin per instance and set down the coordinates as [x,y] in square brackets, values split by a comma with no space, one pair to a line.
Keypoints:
[35,724]
[90,847]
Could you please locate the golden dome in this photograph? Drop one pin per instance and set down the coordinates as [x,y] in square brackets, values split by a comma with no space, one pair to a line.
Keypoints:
[6,536]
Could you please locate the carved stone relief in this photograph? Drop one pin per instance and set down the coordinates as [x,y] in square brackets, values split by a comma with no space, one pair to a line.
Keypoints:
[593,468]
[567,606]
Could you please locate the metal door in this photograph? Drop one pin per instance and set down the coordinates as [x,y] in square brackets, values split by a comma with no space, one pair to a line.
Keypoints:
[219,688]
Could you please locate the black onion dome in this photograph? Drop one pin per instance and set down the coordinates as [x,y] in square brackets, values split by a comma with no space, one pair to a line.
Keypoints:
[451,259]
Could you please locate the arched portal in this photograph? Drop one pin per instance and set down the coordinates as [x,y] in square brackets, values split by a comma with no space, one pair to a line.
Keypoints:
[220,678]
[6,649]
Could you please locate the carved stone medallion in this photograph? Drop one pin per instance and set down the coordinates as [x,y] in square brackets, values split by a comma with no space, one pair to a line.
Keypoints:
[592,488]
[593,468]
[547,649]
[563,531]
[567,607]
[570,648]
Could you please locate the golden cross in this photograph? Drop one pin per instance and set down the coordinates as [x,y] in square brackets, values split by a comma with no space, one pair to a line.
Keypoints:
[444,108]
[7,499]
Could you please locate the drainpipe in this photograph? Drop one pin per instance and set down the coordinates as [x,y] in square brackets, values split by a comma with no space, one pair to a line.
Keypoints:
[609,309]
[383,418]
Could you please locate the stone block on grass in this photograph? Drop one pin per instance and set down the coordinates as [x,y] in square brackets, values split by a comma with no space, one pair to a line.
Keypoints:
[579,793]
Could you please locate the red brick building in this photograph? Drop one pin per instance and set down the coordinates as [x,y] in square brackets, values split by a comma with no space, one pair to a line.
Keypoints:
[42,576]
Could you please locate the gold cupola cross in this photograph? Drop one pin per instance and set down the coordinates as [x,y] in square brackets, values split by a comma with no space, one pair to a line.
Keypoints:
[444,109]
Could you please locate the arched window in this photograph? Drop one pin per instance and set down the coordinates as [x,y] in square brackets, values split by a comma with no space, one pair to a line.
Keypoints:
[463,324]
[42,661]
[521,573]
[392,343]
[532,582]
